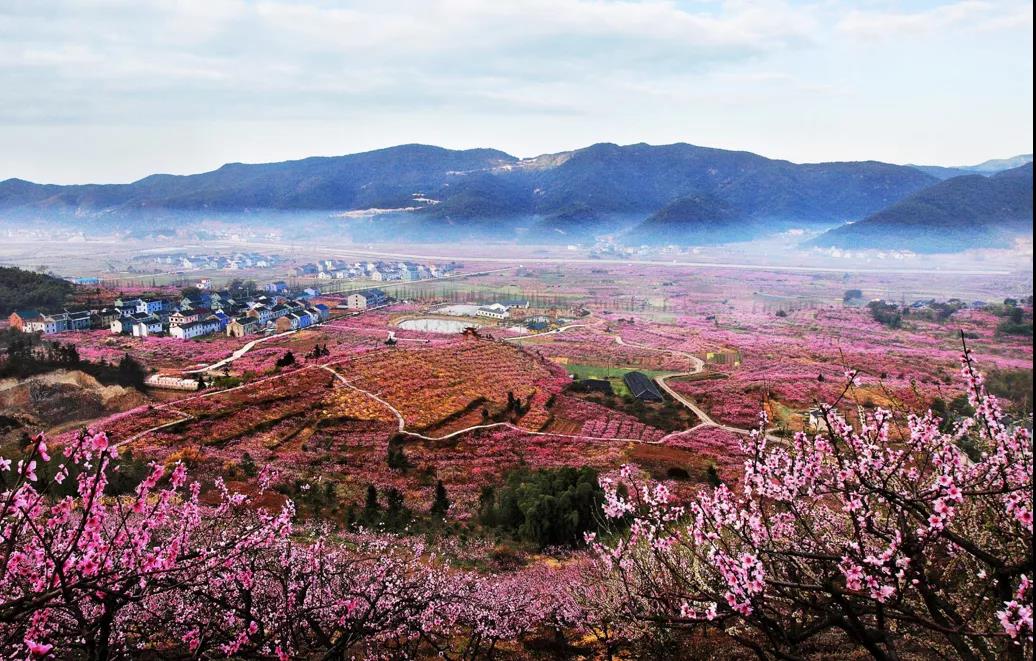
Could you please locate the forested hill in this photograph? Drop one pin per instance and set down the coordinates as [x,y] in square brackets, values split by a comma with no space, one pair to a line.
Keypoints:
[20,290]
[955,214]
[481,183]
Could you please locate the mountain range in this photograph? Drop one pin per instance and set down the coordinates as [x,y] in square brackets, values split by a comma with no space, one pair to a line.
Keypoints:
[989,167]
[677,193]
[970,210]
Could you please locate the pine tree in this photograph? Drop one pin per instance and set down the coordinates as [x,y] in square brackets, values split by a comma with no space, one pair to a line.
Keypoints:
[397,458]
[248,465]
[371,508]
[396,513]
[441,504]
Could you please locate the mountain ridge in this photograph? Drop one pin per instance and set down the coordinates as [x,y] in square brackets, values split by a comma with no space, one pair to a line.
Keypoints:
[444,194]
[971,210]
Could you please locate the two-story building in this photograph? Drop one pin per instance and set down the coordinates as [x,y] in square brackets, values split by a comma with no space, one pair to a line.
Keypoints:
[193,329]
[19,318]
[122,325]
[261,314]
[366,299]
[104,317]
[77,320]
[242,326]
[146,325]
[150,305]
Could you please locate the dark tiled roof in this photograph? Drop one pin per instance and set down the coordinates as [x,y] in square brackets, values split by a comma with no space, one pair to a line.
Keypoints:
[641,386]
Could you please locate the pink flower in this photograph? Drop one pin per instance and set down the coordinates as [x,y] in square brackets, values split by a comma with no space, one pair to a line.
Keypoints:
[38,649]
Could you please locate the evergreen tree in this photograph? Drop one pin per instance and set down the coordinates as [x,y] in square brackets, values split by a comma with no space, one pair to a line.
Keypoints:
[287,360]
[397,459]
[396,513]
[131,373]
[371,508]
[440,504]
[248,465]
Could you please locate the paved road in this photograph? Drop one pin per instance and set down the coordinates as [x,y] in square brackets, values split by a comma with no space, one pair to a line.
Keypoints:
[237,354]
[521,261]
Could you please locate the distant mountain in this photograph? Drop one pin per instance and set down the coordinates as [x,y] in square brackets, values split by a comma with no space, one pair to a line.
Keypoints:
[989,167]
[969,211]
[572,223]
[641,179]
[995,165]
[695,219]
[386,178]
[605,177]
[447,194]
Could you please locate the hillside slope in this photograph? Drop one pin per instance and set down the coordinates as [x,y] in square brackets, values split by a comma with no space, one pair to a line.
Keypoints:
[956,214]
[695,219]
[604,178]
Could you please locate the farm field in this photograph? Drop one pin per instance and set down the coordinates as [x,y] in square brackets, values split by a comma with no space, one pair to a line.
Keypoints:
[585,330]
[331,418]
[409,416]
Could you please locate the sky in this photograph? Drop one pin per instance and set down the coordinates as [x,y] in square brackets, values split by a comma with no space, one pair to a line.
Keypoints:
[111,91]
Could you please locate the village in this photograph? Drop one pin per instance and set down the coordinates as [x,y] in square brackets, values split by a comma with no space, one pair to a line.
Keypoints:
[201,313]
[376,271]
[240,308]
[231,262]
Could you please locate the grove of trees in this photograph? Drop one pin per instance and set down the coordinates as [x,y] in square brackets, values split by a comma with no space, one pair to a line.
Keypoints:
[20,289]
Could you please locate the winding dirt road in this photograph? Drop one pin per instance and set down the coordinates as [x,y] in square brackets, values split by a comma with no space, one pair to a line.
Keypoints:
[492,425]
[698,365]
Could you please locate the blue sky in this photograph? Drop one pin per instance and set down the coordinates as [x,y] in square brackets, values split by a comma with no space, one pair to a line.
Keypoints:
[110,91]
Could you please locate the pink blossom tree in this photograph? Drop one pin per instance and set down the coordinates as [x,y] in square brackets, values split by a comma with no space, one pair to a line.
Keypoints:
[77,563]
[885,535]
[85,573]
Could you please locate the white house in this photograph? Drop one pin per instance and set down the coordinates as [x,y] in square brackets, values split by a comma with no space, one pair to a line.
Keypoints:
[46,324]
[149,305]
[195,328]
[146,325]
[494,311]
[171,382]
[182,317]
[122,325]
[816,421]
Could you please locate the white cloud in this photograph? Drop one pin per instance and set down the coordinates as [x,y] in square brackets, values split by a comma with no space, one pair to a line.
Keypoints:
[285,78]
[966,14]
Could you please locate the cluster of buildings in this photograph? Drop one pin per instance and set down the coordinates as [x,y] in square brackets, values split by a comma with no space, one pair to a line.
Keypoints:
[232,262]
[336,269]
[206,313]
[33,321]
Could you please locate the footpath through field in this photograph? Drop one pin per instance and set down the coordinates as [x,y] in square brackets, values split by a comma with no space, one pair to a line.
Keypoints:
[705,420]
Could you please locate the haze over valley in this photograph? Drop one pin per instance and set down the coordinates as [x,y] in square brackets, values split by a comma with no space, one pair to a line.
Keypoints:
[468,330]
[675,196]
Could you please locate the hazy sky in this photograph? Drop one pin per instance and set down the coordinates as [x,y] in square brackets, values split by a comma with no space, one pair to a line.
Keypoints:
[110,91]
